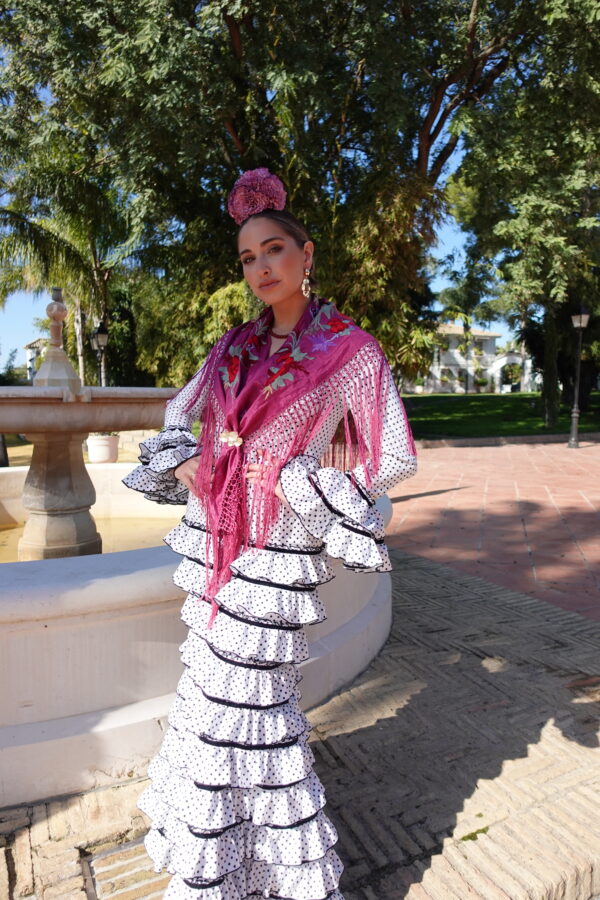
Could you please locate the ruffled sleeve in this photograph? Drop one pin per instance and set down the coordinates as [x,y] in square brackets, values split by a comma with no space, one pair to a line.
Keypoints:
[337,508]
[161,454]
[159,457]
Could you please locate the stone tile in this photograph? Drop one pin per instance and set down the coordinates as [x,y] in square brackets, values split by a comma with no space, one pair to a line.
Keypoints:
[463,764]
[23,865]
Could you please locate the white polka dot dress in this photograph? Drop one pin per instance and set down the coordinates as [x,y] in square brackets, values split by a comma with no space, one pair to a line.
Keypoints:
[237,811]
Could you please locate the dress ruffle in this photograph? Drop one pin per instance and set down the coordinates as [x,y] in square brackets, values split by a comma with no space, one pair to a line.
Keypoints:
[287,566]
[194,712]
[255,600]
[159,456]
[222,679]
[336,510]
[316,880]
[232,634]
[193,853]
[212,808]
[237,765]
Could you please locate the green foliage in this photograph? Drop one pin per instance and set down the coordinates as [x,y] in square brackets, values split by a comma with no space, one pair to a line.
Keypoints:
[11,374]
[151,109]
[511,373]
[527,187]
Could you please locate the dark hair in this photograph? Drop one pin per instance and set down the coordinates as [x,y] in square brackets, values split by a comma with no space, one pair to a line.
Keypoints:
[291,225]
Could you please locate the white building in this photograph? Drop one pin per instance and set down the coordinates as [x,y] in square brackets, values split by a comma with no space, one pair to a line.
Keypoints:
[460,366]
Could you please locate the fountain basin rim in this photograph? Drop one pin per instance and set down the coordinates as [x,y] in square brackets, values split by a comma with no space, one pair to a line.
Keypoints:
[33,410]
[9,395]
[77,585]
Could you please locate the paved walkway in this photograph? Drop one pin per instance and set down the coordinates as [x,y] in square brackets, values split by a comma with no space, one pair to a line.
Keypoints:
[525,516]
[463,764]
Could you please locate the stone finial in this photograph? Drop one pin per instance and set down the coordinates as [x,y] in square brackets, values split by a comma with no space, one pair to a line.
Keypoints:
[57,313]
[56,370]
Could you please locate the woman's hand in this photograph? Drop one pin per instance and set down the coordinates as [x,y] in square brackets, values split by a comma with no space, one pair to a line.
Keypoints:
[257,471]
[186,472]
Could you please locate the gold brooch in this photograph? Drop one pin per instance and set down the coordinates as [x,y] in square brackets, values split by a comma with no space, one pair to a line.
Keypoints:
[232,438]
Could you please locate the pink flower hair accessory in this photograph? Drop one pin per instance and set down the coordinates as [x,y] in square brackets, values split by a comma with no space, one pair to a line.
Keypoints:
[253,192]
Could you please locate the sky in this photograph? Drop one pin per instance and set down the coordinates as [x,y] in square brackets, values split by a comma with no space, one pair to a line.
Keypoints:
[20,310]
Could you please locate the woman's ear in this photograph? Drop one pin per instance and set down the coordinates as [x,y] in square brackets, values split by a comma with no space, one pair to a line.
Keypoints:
[309,249]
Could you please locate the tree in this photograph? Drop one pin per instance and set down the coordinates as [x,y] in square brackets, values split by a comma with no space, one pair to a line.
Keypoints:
[62,223]
[534,213]
[356,109]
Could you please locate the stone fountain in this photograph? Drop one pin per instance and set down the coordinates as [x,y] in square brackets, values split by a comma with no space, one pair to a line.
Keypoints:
[89,644]
[56,414]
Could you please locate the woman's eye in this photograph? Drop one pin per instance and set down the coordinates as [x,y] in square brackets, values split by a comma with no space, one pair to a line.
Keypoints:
[246,260]
[275,248]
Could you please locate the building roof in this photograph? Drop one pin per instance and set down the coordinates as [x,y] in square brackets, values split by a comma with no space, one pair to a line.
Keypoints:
[476,332]
[37,344]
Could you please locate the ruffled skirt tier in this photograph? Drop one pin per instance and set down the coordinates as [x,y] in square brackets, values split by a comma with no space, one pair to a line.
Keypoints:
[236,808]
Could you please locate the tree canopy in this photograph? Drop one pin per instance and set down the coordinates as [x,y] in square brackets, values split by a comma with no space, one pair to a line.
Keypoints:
[358,106]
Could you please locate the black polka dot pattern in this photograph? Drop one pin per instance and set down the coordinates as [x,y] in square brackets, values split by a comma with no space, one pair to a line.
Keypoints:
[236,808]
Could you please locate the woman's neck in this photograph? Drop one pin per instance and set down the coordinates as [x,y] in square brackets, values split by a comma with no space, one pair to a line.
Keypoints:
[288,313]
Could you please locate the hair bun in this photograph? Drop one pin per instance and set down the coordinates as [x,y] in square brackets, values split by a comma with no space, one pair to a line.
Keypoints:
[253,192]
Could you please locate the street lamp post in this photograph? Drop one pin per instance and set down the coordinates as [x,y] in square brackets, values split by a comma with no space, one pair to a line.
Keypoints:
[99,340]
[579,323]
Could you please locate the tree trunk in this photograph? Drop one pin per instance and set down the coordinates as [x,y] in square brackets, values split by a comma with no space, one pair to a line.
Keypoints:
[79,332]
[550,386]
[3,452]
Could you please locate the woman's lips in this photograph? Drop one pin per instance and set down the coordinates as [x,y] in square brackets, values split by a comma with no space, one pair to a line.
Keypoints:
[268,284]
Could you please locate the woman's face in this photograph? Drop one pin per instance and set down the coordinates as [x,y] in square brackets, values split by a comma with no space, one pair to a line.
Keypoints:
[272,262]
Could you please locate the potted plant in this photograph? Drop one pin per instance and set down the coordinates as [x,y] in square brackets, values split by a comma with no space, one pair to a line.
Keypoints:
[103,447]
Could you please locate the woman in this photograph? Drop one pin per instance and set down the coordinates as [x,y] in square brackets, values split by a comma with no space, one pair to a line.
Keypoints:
[237,810]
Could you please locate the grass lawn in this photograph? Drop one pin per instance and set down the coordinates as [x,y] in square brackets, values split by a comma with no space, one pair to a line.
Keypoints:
[489,415]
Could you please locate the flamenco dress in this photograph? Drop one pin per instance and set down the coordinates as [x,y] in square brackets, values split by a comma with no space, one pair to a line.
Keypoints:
[237,811]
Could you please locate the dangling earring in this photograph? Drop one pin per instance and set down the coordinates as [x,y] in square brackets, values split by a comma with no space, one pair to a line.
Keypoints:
[306,284]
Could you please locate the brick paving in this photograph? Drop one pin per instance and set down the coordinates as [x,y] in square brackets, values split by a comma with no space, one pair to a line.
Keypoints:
[463,763]
[522,515]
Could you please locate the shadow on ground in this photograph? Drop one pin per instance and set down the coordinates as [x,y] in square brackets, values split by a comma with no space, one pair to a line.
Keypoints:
[524,545]
[482,704]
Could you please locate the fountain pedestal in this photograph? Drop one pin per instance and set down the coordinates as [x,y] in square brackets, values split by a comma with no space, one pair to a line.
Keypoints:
[58,491]
[58,494]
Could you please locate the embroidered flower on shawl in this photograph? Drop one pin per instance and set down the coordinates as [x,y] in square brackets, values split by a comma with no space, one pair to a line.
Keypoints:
[251,350]
[337,326]
[284,370]
[319,342]
[231,372]
[253,192]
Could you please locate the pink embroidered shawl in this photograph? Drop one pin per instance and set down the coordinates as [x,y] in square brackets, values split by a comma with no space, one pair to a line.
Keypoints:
[292,389]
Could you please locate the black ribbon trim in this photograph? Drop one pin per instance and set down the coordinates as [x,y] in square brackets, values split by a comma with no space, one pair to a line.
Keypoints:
[281,897]
[228,702]
[213,834]
[238,746]
[355,484]
[171,446]
[284,587]
[340,515]
[244,665]
[365,533]
[189,882]
[259,623]
[307,551]
[212,787]
[275,787]
[243,705]
[295,824]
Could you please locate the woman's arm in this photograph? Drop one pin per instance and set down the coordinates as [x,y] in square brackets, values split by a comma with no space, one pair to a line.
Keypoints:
[163,454]
[339,507]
